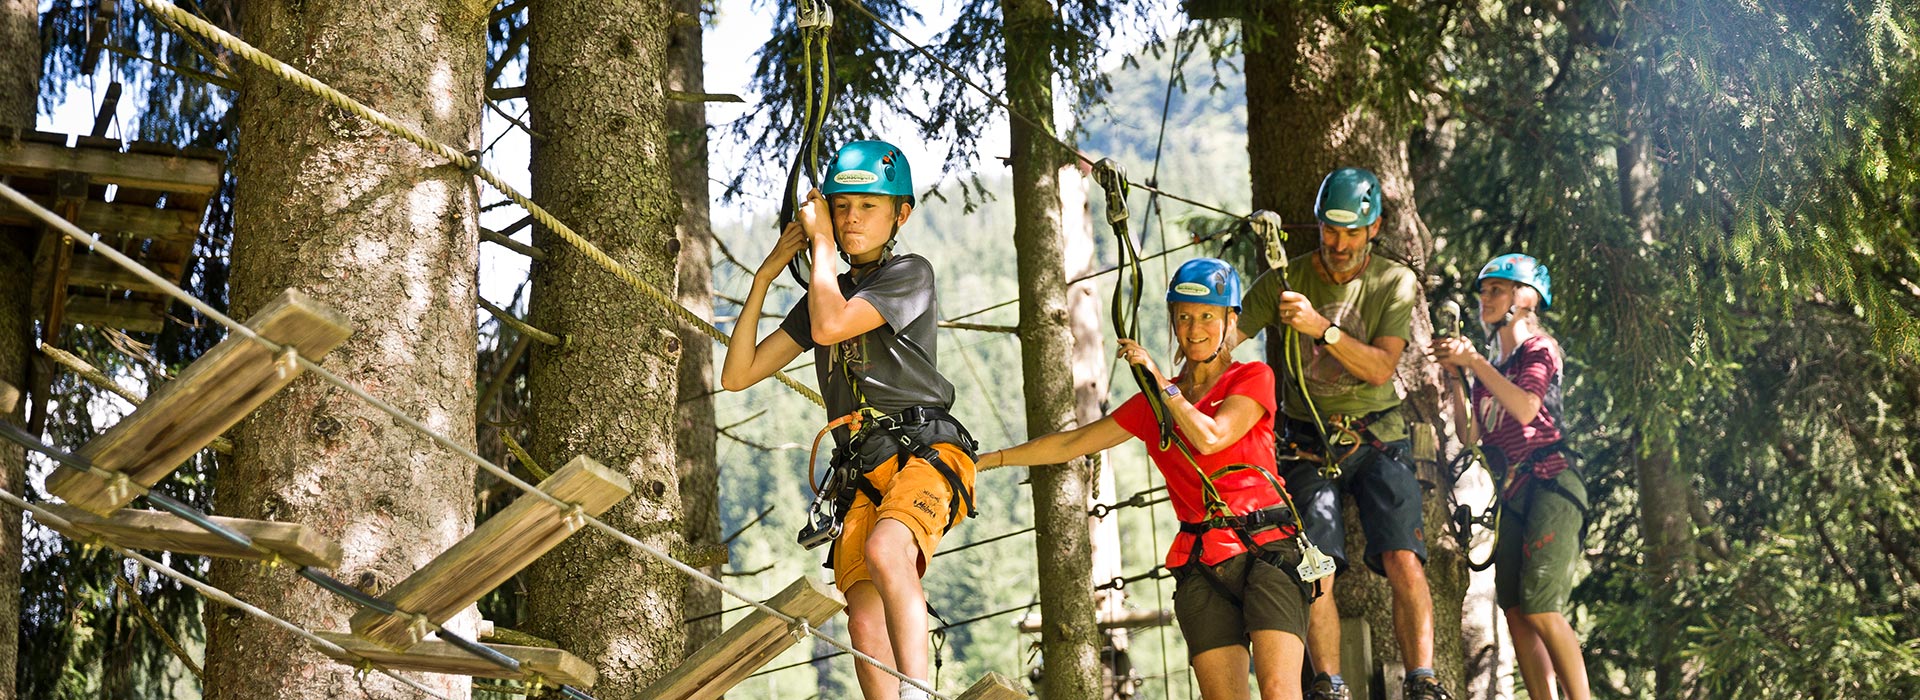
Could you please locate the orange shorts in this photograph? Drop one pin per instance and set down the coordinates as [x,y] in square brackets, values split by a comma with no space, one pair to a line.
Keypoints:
[918,496]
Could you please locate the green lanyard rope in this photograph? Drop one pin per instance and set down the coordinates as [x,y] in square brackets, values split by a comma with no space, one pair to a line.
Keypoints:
[816,29]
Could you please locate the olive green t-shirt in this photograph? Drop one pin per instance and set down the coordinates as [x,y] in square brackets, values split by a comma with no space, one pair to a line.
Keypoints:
[1376,304]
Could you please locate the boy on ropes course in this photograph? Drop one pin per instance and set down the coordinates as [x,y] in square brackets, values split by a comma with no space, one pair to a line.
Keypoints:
[1516,412]
[1348,315]
[1239,552]
[903,467]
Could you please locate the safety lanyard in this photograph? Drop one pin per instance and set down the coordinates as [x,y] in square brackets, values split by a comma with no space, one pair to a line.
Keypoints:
[816,28]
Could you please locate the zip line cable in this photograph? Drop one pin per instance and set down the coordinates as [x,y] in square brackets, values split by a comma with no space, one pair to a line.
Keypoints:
[65,227]
[211,592]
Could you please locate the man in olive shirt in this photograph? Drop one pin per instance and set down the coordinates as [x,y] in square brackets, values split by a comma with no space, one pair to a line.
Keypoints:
[1352,313]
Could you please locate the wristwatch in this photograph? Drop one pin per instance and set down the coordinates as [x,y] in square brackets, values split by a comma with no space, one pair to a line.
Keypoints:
[1332,335]
[1173,390]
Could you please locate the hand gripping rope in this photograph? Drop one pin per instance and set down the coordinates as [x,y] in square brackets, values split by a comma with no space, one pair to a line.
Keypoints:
[816,28]
[1446,324]
[1267,227]
[1314,565]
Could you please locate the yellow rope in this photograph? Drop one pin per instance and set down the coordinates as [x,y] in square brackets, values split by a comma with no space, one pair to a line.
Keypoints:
[456,157]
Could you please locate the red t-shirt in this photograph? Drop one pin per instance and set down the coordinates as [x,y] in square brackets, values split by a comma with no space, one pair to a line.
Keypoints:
[1535,368]
[1245,491]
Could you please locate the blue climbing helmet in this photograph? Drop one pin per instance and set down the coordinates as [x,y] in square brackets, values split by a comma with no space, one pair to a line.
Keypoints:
[1349,197]
[1523,269]
[869,167]
[1206,281]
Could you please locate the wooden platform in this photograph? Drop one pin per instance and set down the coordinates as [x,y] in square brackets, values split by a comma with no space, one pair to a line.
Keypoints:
[434,656]
[203,401]
[159,196]
[166,532]
[493,552]
[748,645]
[994,686]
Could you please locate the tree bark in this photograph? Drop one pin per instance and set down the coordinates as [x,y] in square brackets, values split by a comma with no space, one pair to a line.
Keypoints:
[1069,639]
[1306,116]
[384,233]
[19,96]
[694,439]
[597,75]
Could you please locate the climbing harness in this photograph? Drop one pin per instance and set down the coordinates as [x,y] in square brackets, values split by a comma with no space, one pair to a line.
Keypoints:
[816,28]
[1314,565]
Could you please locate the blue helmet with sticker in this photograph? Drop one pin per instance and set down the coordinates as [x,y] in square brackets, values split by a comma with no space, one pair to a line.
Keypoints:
[869,167]
[1349,197]
[1523,269]
[1206,281]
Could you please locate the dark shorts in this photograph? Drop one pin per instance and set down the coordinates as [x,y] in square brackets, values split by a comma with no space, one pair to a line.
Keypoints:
[1388,496]
[1270,599]
[1539,547]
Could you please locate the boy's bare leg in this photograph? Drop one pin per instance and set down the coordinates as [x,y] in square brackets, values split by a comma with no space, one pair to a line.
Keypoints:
[893,556]
[867,623]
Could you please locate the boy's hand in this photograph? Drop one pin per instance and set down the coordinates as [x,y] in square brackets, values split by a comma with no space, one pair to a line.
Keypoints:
[792,241]
[816,219]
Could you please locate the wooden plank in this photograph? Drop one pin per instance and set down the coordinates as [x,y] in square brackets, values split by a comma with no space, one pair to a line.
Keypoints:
[144,170]
[747,646]
[166,532]
[9,398]
[435,656]
[493,552]
[994,686]
[203,401]
[97,272]
[110,218]
[124,314]
[1356,655]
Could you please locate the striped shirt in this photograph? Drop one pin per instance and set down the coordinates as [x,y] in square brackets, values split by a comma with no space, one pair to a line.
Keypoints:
[1535,368]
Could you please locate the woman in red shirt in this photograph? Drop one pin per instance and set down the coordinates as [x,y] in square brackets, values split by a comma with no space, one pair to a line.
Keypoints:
[1239,598]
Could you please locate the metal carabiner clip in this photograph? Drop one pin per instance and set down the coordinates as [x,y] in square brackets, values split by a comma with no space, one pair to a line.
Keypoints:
[815,14]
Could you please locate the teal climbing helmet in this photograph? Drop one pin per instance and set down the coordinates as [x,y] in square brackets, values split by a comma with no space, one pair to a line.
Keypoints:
[1349,197]
[1206,281]
[1523,269]
[869,167]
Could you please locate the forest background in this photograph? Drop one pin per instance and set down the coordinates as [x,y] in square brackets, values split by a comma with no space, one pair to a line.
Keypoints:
[1724,190]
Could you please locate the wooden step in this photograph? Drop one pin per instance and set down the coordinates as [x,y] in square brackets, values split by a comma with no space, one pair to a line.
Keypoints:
[206,399]
[554,666]
[994,686]
[748,645]
[166,532]
[494,552]
[9,398]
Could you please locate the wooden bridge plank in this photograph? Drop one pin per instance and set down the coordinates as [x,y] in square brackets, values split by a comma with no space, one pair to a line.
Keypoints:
[114,218]
[435,656]
[206,399]
[994,686]
[494,551]
[748,645]
[155,530]
[174,173]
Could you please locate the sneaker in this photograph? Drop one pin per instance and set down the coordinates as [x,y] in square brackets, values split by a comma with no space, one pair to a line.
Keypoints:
[1427,689]
[1324,689]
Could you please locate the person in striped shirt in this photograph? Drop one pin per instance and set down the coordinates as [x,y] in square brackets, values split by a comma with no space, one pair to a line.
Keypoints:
[1516,412]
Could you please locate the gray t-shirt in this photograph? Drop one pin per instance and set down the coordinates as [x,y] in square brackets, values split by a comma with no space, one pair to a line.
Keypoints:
[895,363]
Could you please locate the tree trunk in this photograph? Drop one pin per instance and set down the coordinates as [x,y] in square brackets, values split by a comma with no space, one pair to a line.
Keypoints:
[1090,379]
[19,96]
[1664,490]
[1069,640]
[695,435]
[1305,117]
[596,75]
[385,234]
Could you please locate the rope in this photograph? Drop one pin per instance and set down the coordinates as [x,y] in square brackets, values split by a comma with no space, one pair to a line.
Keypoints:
[456,157]
[861,7]
[214,594]
[1099,273]
[65,227]
[936,630]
